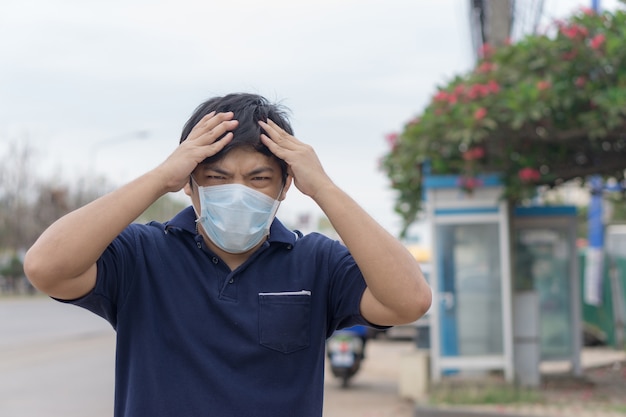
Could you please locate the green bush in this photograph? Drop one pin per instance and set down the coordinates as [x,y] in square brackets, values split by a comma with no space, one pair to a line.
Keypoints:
[542,111]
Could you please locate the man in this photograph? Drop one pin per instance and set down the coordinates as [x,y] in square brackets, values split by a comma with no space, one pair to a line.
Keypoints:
[222,311]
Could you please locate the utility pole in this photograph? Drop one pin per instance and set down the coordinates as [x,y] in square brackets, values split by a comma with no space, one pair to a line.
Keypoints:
[498,22]
[490,22]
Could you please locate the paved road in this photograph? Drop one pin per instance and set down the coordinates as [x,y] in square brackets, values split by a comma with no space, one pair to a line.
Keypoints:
[57,361]
[374,390]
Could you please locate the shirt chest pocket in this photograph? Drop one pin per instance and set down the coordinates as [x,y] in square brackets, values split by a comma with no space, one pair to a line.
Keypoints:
[285,320]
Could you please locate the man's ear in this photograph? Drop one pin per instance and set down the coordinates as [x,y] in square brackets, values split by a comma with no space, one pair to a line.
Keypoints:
[288,182]
[187,188]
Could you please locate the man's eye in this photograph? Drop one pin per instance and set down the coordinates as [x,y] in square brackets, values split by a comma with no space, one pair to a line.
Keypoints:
[261,178]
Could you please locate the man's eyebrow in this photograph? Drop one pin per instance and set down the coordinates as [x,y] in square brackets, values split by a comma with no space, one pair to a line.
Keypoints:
[260,170]
[216,169]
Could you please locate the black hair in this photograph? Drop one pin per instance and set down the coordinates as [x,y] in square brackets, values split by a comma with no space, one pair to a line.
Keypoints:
[248,110]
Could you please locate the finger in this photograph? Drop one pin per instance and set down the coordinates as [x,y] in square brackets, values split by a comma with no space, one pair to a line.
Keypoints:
[203,151]
[268,129]
[213,125]
[275,126]
[283,133]
[217,146]
[213,119]
[286,153]
[278,135]
[272,146]
[276,129]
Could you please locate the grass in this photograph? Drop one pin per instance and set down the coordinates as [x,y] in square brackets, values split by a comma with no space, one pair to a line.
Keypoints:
[617,409]
[464,393]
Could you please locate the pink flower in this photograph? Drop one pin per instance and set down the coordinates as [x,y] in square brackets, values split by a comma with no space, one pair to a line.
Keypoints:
[580,81]
[446,97]
[588,11]
[469,184]
[529,174]
[493,86]
[486,50]
[597,41]
[574,31]
[485,67]
[480,113]
[392,139]
[474,92]
[414,121]
[459,89]
[543,85]
[477,91]
[441,96]
[477,152]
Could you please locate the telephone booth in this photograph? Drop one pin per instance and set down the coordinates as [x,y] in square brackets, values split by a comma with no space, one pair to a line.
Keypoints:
[546,263]
[471,327]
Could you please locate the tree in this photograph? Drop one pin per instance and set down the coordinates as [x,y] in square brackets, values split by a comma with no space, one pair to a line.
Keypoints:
[161,210]
[15,190]
[541,112]
[12,272]
[28,204]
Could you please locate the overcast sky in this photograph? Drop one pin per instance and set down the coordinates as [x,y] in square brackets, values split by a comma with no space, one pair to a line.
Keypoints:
[79,79]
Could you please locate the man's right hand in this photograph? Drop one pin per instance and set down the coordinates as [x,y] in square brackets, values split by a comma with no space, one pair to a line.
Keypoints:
[201,143]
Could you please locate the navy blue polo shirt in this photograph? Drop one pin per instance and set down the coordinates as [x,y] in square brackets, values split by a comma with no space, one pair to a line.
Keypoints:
[197,339]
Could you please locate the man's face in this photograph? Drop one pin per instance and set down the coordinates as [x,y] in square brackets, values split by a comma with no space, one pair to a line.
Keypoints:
[241,166]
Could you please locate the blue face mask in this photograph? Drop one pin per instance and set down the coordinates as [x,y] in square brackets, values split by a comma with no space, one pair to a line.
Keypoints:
[235,217]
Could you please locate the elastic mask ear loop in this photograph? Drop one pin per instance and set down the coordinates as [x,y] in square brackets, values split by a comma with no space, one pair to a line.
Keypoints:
[280,193]
[192,205]
[278,201]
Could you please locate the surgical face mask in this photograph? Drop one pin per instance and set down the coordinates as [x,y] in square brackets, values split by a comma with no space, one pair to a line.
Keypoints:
[235,217]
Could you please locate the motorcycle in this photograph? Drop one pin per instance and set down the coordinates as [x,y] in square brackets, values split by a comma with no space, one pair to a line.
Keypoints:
[345,351]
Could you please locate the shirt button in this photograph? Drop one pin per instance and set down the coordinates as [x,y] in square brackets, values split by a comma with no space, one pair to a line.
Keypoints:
[231,281]
[215,260]
[199,245]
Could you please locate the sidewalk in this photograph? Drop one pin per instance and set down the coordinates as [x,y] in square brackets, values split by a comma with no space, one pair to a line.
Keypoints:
[600,392]
[589,358]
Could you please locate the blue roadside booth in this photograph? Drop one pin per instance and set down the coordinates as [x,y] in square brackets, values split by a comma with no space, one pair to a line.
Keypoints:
[498,304]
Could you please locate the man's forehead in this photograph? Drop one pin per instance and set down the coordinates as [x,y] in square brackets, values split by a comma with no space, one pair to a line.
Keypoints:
[250,160]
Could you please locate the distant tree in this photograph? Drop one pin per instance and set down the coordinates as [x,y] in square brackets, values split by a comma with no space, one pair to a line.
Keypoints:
[16,192]
[13,273]
[161,210]
[29,204]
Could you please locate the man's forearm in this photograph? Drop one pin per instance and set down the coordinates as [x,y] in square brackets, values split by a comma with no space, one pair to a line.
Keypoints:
[392,274]
[71,245]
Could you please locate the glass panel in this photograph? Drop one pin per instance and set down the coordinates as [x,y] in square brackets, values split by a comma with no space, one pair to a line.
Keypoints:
[470,289]
[542,263]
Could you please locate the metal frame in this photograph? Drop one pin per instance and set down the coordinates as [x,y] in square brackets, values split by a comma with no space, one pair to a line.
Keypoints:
[445,206]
